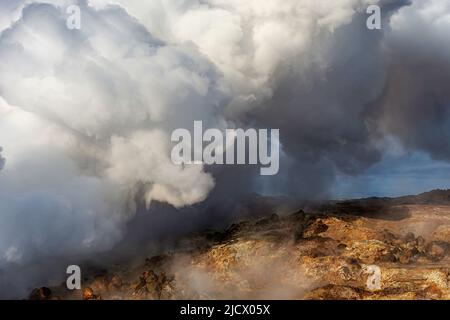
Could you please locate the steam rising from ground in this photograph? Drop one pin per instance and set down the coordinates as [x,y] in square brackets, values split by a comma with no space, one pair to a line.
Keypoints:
[86,115]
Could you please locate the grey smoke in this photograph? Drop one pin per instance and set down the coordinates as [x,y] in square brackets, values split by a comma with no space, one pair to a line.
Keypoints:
[86,115]
[415,106]
[2,160]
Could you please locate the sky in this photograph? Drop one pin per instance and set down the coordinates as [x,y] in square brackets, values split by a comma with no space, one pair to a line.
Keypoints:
[395,176]
[86,114]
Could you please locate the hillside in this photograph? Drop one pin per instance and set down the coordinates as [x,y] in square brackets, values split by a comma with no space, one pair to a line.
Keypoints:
[328,251]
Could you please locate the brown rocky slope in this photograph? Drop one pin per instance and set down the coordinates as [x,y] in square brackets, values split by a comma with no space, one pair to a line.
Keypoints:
[375,248]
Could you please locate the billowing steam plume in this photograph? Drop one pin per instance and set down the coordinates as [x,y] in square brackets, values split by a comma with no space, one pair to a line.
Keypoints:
[86,115]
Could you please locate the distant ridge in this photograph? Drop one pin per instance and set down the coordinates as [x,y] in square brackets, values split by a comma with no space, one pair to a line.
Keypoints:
[382,207]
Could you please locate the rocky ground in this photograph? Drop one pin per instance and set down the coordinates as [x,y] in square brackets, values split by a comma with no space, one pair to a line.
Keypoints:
[329,251]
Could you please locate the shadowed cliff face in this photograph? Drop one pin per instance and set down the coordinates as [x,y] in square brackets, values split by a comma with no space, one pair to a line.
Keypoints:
[332,251]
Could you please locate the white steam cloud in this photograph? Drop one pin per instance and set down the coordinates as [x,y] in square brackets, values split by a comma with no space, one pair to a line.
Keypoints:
[86,115]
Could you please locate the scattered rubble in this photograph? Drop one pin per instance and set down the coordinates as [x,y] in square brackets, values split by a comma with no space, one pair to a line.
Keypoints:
[88,294]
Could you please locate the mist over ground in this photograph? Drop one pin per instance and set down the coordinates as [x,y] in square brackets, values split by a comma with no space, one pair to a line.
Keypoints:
[86,115]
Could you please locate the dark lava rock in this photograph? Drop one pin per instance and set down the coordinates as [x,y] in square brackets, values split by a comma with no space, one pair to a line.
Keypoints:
[42,293]
[436,250]
[268,222]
